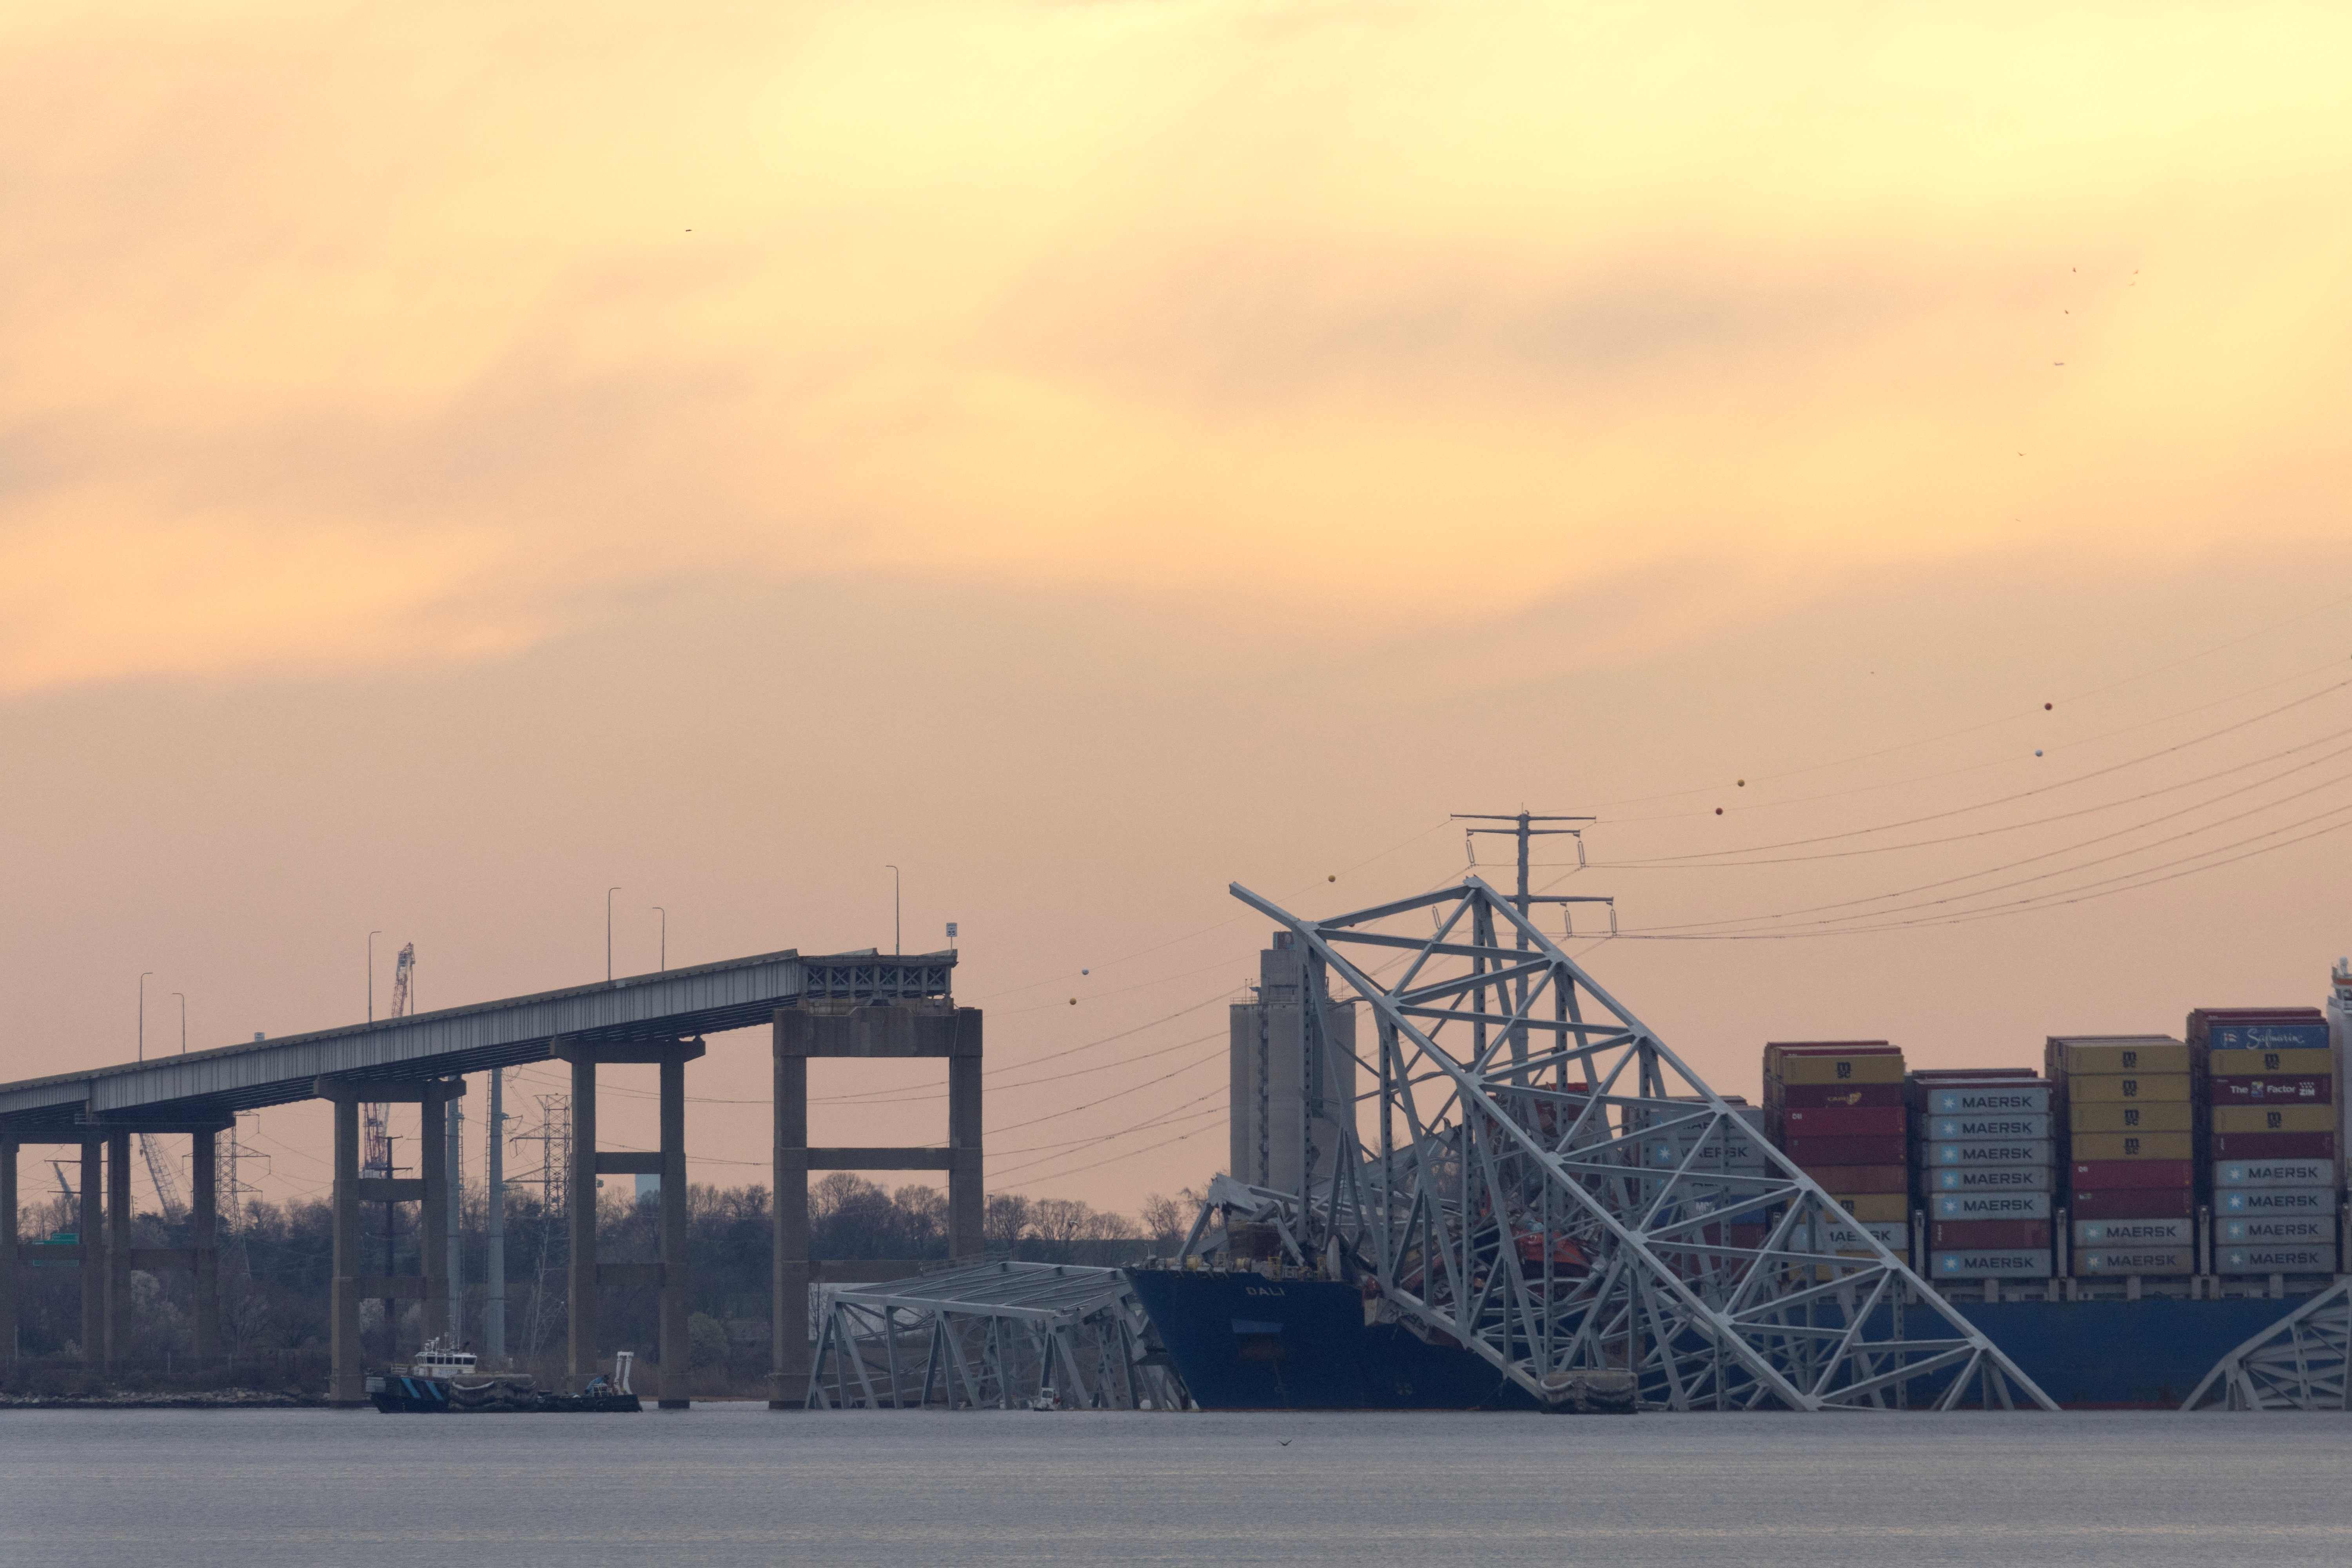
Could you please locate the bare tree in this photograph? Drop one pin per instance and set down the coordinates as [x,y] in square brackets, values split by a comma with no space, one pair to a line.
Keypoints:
[1005,1220]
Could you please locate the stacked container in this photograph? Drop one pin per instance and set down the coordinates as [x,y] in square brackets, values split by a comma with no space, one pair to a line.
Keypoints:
[1985,1163]
[2270,1099]
[1835,1109]
[2127,1117]
[1737,1151]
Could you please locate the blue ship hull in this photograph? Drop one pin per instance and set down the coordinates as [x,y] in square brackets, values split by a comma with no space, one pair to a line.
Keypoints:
[1243,1342]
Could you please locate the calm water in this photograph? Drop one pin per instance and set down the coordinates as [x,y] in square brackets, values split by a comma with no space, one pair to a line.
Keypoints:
[727,1485]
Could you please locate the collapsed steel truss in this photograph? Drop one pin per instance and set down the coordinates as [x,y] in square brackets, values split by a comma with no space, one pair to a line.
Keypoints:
[1549,1185]
[2296,1363]
[995,1335]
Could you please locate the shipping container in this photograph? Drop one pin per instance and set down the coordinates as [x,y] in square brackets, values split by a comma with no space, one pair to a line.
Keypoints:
[2279,1201]
[1989,1205]
[2307,1036]
[1837,1070]
[2094,1147]
[2029,1152]
[2153,1260]
[1876,1209]
[1876,1150]
[1843,1235]
[1987,1235]
[2179,1231]
[1986,1100]
[2177,1116]
[1785,1097]
[1843,1121]
[2271,1064]
[1860,1178]
[2301,1090]
[2274,1146]
[1980,1127]
[1988,1179]
[2117,1054]
[2275,1260]
[2096,1175]
[2109,1088]
[1744,1155]
[2273,1173]
[2274,1119]
[2264,1230]
[2133,1203]
[1989,1264]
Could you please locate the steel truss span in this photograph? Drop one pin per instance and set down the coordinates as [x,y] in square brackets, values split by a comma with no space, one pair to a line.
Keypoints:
[1536,1177]
[992,1336]
[2296,1363]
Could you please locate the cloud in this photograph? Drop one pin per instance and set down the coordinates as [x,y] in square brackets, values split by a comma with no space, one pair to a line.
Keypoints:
[353,338]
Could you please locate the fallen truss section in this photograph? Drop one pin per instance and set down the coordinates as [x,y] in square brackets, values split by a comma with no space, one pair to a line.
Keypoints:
[1002,1336]
[2296,1363]
[1538,1178]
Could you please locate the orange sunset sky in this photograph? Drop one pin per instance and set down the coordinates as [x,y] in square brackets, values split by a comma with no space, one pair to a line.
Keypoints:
[454,458]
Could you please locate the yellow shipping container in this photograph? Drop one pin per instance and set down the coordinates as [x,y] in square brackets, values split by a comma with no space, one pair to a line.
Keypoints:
[2107,1089]
[2170,1116]
[1877,1208]
[1887,1068]
[2134,1146]
[2274,1118]
[2269,1064]
[2143,1057]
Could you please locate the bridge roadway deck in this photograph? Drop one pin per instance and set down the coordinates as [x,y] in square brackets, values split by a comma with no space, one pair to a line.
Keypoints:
[734,994]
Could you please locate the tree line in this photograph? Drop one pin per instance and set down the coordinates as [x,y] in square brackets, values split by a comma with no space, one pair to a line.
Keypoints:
[276,1261]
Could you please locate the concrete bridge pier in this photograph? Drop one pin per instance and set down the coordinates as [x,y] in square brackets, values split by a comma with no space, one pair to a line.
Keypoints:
[347,1381]
[831,1028]
[672,1277]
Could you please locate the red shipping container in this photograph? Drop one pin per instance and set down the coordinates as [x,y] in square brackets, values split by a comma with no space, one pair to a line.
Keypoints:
[1965,1234]
[2274,1145]
[1842,1121]
[2133,1203]
[1844,1181]
[2099,1175]
[1808,1096]
[1887,1150]
[2270,1090]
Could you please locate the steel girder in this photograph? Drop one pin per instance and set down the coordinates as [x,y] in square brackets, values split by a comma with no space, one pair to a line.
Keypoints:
[997,1335]
[1548,1184]
[2296,1363]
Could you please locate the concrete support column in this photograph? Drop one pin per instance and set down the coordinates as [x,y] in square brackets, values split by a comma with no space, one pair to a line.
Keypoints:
[117,1247]
[676,1344]
[583,1201]
[203,1209]
[967,1204]
[788,1385]
[8,1243]
[91,1227]
[347,1384]
[433,1228]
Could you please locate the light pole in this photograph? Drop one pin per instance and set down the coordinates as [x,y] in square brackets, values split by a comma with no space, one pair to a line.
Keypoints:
[608,933]
[371,936]
[184,1021]
[143,1013]
[664,936]
[894,910]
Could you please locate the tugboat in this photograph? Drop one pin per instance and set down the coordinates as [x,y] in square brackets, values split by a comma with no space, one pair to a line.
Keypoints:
[443,1379]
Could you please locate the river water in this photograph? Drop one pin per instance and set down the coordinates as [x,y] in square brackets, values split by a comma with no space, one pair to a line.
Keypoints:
[723,1485]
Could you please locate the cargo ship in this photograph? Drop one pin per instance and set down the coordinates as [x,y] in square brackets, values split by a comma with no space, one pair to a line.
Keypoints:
[1244,1340]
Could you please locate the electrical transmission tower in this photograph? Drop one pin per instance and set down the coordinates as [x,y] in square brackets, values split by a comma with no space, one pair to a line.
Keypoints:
[1544,1182]
[553,1136]
[375,1129]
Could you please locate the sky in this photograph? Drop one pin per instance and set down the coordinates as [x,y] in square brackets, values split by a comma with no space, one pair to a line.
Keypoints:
[458,459]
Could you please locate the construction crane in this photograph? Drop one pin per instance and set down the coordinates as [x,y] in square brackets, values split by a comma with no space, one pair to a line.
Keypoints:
[375,1116]
[166,1180]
